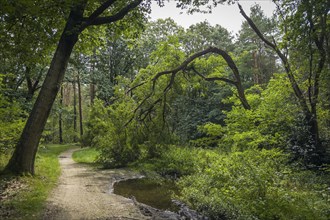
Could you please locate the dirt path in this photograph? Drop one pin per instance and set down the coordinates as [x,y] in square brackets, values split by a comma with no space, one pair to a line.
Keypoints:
[85,193]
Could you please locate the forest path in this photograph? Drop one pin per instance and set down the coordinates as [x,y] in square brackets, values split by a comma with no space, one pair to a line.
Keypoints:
[84,192]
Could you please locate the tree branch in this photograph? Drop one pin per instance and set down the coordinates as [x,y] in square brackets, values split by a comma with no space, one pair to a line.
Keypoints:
[183,67]
[190,59]
[134,87]
[230,62]
[254,27]
[294,84]
[96,20]
[319,42]
[100,10]
[214,78]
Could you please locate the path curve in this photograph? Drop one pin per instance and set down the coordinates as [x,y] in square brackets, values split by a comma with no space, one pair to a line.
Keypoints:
[85,193]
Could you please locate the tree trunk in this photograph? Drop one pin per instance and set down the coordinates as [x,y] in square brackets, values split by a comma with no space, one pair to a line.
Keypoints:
[92,84]
[22,160]
[60,130]
[318,151]
[80,107]
[92,92]
[256,77]
[74,109]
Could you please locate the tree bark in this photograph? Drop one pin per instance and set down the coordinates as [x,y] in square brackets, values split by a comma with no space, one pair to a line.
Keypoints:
[92,84]
[256,77]
[60,130]
[22,160]
[74,110]
[80,107]
[92,92]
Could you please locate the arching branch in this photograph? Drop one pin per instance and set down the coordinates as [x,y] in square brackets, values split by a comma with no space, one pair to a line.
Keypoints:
[230,62]
[185,66]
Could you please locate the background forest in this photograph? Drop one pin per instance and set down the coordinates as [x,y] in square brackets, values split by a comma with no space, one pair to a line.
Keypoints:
[242,123]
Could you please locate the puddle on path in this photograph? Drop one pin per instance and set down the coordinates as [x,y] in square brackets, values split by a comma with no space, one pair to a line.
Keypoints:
[148,191]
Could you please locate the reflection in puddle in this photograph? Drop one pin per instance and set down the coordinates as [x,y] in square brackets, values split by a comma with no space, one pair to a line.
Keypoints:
[148,191]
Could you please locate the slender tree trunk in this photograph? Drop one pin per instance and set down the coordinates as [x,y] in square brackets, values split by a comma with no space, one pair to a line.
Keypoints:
[92,84]
[92,93]
[74,109]
[80,107]
[22,160]
[60,130]
[256,77]
[53,129]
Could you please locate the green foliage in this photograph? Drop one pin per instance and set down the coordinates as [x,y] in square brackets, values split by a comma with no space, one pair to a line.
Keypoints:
[270,123]
[108,133]
[86,155]
[255,185]
[120,138]
[174,162]
[11,121]
[207,36]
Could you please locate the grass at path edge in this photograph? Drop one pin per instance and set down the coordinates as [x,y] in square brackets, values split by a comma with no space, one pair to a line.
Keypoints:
[27,194]
[86,155]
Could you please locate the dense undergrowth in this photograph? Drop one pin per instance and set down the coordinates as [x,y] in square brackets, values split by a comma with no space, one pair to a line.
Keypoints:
[23,197]
[245,185]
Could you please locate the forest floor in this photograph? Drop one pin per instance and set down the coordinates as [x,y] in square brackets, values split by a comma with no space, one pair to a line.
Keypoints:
[84,192]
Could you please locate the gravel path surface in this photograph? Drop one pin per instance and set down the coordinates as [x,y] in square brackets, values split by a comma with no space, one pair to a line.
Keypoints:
[85,193]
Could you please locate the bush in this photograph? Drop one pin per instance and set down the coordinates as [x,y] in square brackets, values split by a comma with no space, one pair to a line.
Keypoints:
[120,142]
[255,185]
[11,123]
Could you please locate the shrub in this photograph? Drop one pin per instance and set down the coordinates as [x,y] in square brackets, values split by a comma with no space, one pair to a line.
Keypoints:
[11,122]
[255,185]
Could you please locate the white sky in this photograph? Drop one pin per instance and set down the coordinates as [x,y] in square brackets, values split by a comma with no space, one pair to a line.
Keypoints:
[227,16]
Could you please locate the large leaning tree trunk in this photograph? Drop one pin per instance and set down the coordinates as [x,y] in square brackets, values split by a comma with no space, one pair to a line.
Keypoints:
[22,160]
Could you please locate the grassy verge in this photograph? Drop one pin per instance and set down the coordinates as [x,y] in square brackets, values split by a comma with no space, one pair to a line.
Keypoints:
[86,155]
[4,158]
[24,197]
